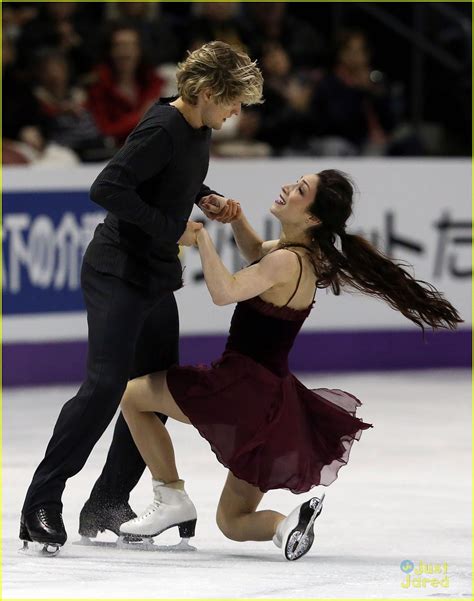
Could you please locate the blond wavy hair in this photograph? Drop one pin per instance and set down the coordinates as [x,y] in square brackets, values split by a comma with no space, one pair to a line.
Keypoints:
[224,70]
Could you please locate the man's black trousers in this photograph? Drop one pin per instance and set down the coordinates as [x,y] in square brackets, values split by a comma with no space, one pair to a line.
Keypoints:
[131,333]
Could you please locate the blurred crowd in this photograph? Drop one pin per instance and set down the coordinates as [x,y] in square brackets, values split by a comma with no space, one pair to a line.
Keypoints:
[77,77]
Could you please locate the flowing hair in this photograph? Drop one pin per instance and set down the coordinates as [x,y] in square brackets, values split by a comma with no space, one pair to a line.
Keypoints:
[360,266]
[228,72]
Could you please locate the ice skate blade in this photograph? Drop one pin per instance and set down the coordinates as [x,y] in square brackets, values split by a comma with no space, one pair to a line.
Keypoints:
[47,550]
[50,550]
[122,544]
[183,545]
[85,541]
[299,542]
[148,544]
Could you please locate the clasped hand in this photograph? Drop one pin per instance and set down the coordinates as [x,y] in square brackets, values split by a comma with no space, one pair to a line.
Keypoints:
[218,208]
[215,208]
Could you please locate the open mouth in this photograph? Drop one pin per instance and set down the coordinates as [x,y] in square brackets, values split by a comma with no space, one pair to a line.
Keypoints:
[280,201]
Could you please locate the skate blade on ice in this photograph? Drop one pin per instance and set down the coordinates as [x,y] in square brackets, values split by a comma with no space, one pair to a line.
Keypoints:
[147,544]
[299,542]
[47,549]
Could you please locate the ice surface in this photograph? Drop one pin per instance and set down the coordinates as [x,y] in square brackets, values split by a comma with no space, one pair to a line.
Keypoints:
[406,494]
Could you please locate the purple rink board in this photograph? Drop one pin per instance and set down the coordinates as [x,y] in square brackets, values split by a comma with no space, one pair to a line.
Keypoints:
[28,364]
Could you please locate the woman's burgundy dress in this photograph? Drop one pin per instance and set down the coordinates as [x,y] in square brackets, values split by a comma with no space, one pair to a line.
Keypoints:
[261,422]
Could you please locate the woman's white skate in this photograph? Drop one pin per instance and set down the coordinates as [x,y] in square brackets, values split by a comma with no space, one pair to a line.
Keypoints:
[295,534]
[170,508]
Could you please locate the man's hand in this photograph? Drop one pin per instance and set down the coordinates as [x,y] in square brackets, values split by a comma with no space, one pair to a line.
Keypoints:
[189,235]
[211,205]
[218,208]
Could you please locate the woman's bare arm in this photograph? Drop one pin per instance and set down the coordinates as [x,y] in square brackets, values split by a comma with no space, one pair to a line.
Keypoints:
[225,288]
[248,241]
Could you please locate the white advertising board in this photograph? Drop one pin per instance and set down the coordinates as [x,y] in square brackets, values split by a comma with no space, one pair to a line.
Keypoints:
[418,211]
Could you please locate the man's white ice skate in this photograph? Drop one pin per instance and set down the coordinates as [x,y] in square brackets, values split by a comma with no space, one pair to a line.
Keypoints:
[295,534]
[171,508]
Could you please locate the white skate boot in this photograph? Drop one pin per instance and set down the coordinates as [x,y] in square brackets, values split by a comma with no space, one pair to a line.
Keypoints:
[171,507]
[295,534]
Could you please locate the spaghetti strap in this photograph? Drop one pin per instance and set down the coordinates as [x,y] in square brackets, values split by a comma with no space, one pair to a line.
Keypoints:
[311,260]
[309,255]
[299,277]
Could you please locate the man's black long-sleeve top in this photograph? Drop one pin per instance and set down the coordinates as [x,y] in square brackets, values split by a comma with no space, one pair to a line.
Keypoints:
[149,188]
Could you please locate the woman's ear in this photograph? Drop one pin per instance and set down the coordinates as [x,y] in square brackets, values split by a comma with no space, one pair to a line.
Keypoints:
[314,220]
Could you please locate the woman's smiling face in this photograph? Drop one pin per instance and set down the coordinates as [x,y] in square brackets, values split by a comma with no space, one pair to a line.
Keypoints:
[292,207]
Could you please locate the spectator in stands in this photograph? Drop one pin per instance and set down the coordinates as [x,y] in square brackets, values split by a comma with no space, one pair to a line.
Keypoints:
[67,120]
[61,25]
[285,117]
[125,84]
[216,21]
[279,126]
[15,15]
[24,129]
[269,23]
[352,109]
[22,126]
[157,30]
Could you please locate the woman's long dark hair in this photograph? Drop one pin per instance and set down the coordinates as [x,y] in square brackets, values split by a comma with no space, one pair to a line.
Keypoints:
[361,266]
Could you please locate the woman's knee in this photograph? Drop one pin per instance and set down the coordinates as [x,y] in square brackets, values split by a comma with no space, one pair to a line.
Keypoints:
[228,525]
[129,398]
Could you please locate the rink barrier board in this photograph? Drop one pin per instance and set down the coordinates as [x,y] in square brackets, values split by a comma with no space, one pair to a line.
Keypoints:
[407,207]
[28,364]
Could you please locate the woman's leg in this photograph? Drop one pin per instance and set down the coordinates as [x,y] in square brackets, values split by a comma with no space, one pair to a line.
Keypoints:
[143,397]
[237,515]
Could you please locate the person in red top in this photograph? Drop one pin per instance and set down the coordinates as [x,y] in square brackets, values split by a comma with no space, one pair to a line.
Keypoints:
[125,86]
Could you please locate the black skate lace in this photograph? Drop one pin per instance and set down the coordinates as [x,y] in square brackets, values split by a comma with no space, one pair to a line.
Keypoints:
[55,520]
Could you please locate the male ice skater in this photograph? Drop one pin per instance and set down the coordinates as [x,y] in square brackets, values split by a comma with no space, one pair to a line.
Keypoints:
[129,273]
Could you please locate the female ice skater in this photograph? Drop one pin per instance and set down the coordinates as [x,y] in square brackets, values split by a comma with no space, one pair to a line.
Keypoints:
[260,421]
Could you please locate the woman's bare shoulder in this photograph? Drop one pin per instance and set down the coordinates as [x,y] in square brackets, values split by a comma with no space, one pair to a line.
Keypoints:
[268,246]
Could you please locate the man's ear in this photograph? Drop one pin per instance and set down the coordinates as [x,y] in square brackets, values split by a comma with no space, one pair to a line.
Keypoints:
[207,95]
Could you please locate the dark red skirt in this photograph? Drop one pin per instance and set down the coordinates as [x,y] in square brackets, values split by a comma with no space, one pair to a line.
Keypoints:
[270,431]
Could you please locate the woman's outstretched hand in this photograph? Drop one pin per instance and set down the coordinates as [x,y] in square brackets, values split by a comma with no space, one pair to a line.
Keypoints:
[218,208]
[201,235]
[189,235]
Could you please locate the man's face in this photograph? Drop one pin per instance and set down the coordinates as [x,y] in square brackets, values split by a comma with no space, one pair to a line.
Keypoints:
[214,115]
